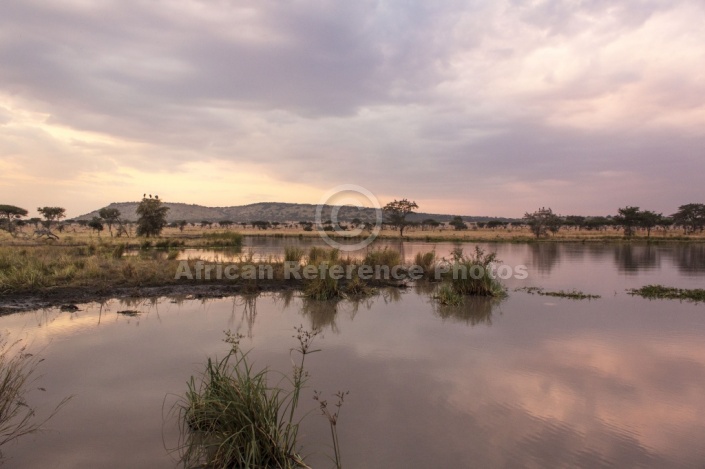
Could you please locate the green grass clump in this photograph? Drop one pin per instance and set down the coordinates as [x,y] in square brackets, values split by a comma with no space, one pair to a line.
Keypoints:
[223,238]
[446,295]
[17,368]
[427,261]
[472,274]
[323,287]
[652,292]
[317,255]
[573,294]
[293,254]
[388,257]
[233,417]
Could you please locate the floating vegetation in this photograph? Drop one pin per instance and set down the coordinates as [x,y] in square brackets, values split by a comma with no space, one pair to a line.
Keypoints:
[572,295]
[653,292]
[130,312]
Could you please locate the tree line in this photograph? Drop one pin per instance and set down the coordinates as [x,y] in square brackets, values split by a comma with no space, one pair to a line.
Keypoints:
[152,219]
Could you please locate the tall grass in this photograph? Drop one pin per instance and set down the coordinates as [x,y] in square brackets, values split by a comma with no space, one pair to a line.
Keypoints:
[427,261]
[323,287]
[17,417]
[232,416]
[223,238]
[388,257]
[293,254]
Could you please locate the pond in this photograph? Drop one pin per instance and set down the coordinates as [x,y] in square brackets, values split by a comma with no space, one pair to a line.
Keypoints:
[530,381]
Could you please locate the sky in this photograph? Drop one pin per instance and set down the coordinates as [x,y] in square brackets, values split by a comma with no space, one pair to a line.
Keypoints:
[466,107]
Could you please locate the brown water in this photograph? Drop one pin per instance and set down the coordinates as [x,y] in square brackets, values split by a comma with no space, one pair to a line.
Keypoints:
[531,381]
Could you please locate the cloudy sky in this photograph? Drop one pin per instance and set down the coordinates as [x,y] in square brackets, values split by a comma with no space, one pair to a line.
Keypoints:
[473,107]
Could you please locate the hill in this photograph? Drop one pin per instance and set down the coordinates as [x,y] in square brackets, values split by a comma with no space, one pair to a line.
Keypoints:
[267,211]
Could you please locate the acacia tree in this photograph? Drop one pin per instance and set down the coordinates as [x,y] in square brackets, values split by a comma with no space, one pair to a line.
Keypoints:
[629,218]
[152,217]
[691,217]
[397,211]
[648,220]
[111,216]
[458,223]
[96,224]
[11,213]
[542,221]
[51,214]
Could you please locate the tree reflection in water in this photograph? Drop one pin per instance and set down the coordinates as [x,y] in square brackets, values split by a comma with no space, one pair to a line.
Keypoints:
[633,258]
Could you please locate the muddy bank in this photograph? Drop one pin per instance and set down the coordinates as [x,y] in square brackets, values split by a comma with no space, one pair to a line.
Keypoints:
[65,297]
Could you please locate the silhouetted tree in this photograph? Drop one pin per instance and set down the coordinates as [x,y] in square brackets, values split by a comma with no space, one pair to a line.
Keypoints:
[458,223]
[397,211]
[648,220]
[51,214]
[542,221]
[111,216]
[629,218]
[11,214]
[691,217]
[152,217]
[96,224]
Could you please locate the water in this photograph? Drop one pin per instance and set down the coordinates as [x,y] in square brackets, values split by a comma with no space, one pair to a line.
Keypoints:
[531,381]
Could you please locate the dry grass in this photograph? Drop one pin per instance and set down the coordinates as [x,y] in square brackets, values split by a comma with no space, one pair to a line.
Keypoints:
[199,237]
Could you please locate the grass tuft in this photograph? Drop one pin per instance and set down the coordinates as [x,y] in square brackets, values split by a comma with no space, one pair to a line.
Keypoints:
[472,274]
[232,416]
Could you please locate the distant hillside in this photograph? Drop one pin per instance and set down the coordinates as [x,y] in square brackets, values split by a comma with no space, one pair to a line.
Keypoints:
[267,211]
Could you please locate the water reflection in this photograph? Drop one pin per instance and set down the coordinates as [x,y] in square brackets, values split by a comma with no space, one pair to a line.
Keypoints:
[544,256]
[323,314]
[473,311]
[631,258]
[690,258]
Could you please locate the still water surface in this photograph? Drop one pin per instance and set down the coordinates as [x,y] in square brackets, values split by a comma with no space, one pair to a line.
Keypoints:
[530,381]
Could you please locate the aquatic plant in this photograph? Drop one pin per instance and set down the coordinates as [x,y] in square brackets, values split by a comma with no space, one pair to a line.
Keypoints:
[651,292]
[472,274]
[233,416]
[446,295]
[293,254]
[382,257]
[427,261]
[573,294]
[17,417]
